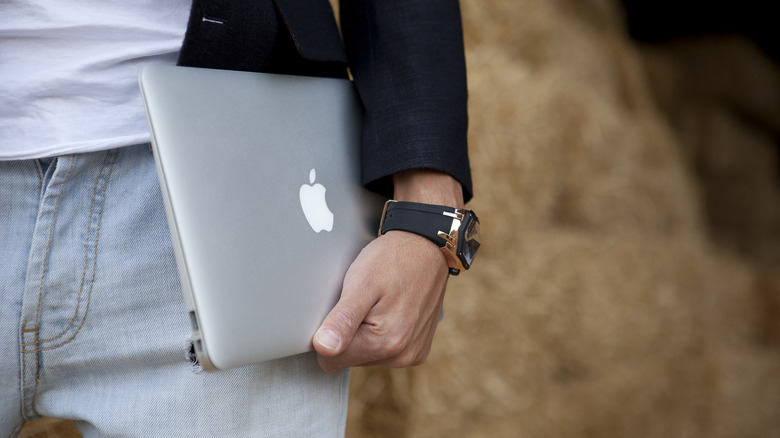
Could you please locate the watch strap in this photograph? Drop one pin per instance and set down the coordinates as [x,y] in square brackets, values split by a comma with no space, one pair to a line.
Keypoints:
[423,219]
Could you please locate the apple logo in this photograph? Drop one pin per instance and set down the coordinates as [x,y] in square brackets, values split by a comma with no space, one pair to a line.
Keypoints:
[315,208]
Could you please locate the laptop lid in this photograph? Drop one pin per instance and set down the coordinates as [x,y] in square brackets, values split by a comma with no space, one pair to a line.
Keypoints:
[260,174]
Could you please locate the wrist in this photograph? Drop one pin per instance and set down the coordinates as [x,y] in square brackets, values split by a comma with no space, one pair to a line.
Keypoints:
[455,231]
[427,186]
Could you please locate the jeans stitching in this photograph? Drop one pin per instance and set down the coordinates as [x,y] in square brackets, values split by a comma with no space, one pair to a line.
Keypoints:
[17,428]
[48,243]
[23,373]
[40,172]
[94,266]
[40,298]
[86,256]
[92,283]
[36,328]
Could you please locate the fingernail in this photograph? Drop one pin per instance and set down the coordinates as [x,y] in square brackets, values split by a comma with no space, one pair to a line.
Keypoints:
[328,339]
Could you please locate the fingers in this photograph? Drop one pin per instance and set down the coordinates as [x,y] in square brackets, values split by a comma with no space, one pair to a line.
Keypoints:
[339,327]
[388,339]
[389,308]
[372,345]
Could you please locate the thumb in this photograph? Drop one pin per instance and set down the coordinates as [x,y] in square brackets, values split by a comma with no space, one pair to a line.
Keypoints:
[338,328]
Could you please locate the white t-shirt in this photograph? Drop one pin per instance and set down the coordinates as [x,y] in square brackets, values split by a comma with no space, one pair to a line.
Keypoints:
[69,71]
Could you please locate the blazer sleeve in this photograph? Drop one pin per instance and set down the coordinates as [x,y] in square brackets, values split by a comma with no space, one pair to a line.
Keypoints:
[407,60]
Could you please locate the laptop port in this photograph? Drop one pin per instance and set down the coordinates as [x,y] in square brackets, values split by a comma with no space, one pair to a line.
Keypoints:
[194,321]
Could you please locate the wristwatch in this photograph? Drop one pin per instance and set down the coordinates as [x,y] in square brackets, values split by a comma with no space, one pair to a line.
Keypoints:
[454,230]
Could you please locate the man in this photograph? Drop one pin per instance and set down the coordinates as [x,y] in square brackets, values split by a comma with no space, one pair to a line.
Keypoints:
[92,325]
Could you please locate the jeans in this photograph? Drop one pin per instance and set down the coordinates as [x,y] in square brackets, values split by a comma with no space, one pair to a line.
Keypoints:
[93,325]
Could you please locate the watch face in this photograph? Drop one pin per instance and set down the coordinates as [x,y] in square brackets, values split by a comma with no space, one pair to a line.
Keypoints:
[470,244]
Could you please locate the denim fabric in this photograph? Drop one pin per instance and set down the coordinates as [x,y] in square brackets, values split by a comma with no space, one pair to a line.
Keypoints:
[93,326]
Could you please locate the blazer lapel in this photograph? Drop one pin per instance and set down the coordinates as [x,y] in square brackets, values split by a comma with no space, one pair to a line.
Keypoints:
[313,28]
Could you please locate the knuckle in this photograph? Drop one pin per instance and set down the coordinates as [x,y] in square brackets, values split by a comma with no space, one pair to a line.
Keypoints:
[420,359]
[394,346]
[408,359]
[345,318]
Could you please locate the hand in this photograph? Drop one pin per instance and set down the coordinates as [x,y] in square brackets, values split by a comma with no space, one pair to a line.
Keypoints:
[393,292]
[389,306]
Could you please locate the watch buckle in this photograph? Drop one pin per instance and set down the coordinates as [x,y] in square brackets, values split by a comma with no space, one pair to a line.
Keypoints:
[450,249]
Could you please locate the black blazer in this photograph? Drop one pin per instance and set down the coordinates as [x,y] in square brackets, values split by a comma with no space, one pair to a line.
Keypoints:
[406,57]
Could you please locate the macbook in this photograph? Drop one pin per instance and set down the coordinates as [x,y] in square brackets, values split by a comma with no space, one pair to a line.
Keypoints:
[260,174]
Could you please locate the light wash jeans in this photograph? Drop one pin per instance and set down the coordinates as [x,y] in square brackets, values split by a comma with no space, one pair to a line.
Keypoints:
[93,326]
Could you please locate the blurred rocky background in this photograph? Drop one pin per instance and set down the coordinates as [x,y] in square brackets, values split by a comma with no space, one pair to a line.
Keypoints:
[629,280]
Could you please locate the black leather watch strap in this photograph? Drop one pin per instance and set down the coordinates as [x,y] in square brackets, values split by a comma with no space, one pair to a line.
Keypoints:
[423,219]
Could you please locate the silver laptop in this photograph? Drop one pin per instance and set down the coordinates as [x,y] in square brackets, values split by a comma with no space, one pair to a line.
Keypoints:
[261,179]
